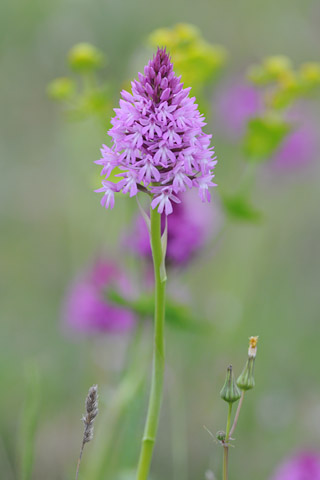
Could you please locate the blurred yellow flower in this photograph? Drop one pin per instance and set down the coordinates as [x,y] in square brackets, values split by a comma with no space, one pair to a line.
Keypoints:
[196,60]
[84,57]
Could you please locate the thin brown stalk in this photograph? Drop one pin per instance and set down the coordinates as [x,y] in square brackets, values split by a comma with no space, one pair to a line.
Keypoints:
[236,417]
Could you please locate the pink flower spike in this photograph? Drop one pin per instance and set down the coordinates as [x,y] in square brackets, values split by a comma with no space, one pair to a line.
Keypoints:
[157,138]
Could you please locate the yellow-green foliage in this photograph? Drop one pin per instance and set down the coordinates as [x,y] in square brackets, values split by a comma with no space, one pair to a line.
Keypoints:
[286,84]
[82,93]
[84,57]
[62,88]
[196,60]
[264,135]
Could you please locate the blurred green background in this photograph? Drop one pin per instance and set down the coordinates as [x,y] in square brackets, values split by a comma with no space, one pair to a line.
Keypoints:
[258,280]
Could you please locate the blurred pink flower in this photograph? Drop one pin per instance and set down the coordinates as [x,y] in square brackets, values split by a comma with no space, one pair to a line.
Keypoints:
[235,104]
[302,466]
[298,148]
[189,228]
[86,309]
[238,102]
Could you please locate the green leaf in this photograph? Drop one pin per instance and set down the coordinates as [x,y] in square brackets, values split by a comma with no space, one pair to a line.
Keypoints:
[180,316]
[177,314]
[264,135]
[239,208]
[284,97]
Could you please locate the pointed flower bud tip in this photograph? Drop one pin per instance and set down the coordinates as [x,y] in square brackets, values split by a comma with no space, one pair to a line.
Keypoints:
[230,393]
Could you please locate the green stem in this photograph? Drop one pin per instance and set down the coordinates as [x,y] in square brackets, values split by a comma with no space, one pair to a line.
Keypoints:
[225,462]
[155,398]
[226,446]
[228,422]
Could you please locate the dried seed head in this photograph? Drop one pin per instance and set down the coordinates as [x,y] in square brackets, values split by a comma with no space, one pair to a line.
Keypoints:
[91,413]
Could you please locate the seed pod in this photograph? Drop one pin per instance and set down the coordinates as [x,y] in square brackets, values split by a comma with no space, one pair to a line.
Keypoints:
[245,380]
[230,392]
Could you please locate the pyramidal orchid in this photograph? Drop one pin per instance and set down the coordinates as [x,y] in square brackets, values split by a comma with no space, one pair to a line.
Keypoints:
[158,143]
[158,148]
